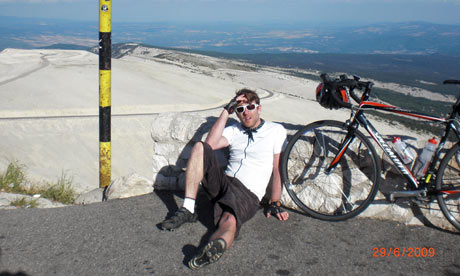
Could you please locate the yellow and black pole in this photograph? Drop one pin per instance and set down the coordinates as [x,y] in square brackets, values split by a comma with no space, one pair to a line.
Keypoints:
[105,56]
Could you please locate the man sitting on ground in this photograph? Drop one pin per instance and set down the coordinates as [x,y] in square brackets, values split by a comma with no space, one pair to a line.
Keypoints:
[255,147]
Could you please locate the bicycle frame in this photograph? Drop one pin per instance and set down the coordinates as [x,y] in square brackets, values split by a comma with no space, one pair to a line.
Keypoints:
[360,119]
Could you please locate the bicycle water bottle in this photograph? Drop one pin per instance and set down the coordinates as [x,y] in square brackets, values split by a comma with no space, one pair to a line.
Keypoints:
[423,161]
[402,150]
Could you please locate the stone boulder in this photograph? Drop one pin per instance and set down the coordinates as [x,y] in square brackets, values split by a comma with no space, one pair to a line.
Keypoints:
[129,186]
[93,196]
[7,198]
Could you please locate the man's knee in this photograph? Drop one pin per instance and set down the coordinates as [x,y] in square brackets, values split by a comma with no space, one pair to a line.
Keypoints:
[197,149]
[228,219]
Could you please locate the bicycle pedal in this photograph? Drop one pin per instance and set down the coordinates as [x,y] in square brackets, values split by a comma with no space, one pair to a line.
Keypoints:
[415,193]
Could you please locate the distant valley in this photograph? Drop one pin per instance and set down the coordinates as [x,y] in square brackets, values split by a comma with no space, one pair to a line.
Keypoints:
[413,82]
[417,54]
[385,38]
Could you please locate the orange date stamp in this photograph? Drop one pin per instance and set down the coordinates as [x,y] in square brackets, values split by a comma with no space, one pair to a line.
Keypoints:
[409,252]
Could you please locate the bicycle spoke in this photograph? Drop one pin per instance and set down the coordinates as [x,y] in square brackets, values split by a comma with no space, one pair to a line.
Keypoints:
[339,194]
[448,180]
[454,169]
[320,142]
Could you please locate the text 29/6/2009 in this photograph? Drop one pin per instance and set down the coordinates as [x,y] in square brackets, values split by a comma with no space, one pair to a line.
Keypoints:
[410,252]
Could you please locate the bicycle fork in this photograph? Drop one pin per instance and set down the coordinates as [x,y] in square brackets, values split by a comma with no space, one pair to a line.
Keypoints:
[343,146]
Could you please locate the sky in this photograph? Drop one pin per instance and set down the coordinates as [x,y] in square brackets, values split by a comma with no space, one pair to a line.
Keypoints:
[290,11]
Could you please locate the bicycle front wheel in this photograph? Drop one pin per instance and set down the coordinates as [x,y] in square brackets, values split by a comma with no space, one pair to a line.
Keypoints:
[448,186]
[340,194]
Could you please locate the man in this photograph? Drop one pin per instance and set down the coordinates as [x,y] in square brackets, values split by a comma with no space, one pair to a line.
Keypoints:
[255,147]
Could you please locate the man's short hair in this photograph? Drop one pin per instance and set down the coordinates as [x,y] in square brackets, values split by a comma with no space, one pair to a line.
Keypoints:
[251,95]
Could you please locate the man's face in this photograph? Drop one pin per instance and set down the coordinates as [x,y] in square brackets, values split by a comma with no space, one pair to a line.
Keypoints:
[250,116]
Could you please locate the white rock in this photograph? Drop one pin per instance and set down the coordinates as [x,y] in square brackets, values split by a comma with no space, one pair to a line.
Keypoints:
[414,221]
[7,198]
[46,203]
[4,202]
[181,127]
[161,125]
[402,214]
[165,148]
[199,127]
[159,162]
[128,186]
[375,210]
[92,196]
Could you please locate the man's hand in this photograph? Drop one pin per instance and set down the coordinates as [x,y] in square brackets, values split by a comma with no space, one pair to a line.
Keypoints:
[274,209]
[230,107]
[241,98]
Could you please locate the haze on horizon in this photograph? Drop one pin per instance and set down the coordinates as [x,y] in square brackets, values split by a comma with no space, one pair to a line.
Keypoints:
[274,11]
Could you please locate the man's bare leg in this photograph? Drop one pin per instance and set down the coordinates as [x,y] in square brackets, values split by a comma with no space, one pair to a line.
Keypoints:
[226,229]
[194,173]
[193,177]
[219,241]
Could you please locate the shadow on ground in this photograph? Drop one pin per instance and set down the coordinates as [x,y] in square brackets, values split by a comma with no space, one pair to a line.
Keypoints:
[204,209]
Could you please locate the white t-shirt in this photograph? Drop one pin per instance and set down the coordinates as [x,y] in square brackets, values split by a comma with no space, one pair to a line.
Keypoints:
[250,161]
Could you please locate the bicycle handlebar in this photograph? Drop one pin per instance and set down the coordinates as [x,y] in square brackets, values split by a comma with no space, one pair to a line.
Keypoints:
[351,84]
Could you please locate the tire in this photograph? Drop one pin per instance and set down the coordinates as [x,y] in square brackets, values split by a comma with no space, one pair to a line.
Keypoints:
[448,177]
[343,193]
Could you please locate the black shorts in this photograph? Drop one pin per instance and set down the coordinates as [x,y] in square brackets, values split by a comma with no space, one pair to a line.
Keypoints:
[227,193]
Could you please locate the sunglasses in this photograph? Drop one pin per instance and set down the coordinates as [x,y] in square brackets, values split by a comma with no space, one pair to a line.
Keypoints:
[250,107]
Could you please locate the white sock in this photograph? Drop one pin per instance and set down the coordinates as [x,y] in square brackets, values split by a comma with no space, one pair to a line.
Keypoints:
[189,204]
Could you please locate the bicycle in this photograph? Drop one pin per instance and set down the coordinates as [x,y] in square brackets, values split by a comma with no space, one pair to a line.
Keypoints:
[332,171]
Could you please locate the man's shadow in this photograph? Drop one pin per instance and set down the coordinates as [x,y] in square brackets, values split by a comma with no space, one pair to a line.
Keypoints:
[205,210]
[8,273]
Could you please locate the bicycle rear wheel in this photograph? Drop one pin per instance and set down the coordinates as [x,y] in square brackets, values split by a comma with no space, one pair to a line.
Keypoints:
[448,183]
[344,192]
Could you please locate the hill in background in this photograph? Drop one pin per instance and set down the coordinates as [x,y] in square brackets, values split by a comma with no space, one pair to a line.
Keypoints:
[415,54]
[386,38]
